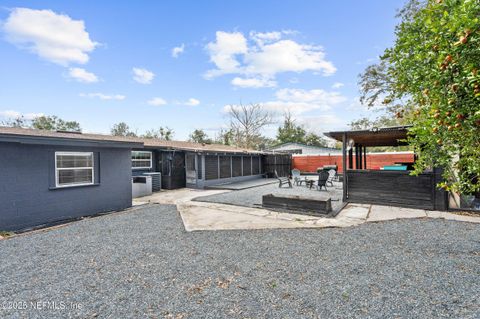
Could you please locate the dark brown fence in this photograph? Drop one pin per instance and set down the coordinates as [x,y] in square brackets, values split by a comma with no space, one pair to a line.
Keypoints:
[281,163]
[172,165]
[236,166]
[247,165]
[211,167]
[395,188]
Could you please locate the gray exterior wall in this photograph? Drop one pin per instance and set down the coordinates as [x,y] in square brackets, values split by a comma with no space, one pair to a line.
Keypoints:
[28,196]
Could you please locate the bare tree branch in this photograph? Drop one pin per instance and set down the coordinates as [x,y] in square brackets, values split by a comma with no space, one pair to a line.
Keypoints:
[247,122]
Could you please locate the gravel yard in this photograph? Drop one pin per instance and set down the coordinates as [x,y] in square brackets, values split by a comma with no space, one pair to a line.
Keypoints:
[143,264]
[252,197]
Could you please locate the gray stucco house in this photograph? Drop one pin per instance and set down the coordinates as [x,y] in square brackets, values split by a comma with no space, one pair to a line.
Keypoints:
[47,177]
[194,165]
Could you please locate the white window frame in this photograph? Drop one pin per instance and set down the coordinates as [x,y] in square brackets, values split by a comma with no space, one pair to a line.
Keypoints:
[57,184]
[143,167]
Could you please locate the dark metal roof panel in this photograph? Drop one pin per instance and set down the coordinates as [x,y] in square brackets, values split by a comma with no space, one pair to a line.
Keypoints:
[385,136]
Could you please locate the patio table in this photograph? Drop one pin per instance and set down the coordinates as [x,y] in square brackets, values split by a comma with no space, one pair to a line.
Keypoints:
[310,183]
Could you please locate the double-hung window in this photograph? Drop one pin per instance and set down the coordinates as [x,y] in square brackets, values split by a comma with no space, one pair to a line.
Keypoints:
[141,160]
[74,169]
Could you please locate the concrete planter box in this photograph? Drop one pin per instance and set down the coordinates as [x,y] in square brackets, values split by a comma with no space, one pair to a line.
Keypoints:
[309,205]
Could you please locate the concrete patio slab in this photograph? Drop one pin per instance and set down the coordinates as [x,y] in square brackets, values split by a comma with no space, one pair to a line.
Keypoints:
[382,213]
[215,216]
[253,197]
[245,184]
[355,211]
[172,197]
[205,218]
[199,216]
[450,216]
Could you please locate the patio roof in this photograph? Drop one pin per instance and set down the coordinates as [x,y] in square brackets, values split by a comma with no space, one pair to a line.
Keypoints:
[385,136]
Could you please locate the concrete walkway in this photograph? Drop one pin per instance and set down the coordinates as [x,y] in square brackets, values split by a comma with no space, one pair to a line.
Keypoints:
[245,184]
[213,216]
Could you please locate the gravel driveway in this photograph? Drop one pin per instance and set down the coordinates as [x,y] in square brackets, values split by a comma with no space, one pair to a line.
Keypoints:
[143,264]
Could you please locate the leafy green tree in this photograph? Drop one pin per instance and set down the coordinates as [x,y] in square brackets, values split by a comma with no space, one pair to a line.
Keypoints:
[290,132]
[433,68]
[199,136]
[122,129]
[16,122]
[264,143]
[376,84]
[51,123]
[313,139]
[54,123]
[225,137]
[365,123]
[163,133]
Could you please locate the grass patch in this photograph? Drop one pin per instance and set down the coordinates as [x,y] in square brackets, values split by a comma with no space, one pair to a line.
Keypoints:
[6,233]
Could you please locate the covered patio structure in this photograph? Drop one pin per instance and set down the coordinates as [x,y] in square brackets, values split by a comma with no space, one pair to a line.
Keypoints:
[389,185]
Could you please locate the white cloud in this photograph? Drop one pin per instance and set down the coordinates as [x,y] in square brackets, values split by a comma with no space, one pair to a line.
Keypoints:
[53,37]
[82,75]
[264,56]
[356,105]
[322,123]
[298,102]
[176,51]
[287,56]
[157,101]
[10,114]
[192,102]
[253,82]
[337,85]
[223,53]
[263,37]
[102,96]
[143,76]
[368,61]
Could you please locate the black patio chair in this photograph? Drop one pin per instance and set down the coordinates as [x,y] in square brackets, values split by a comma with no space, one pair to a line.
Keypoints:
[322,180]
[283,180]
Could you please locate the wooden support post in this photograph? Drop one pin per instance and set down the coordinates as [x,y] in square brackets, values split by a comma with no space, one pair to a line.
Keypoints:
[356,156]
[350,158]
[365,157]
[344,166]
[360,160]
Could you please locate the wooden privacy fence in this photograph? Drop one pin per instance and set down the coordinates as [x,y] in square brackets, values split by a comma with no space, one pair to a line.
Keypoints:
[396,188]
[310,163]
[281,163]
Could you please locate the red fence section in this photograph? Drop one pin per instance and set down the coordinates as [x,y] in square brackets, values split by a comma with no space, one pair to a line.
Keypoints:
[310,163]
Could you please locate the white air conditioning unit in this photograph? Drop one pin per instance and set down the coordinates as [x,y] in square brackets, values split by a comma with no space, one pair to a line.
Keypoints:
[141,186]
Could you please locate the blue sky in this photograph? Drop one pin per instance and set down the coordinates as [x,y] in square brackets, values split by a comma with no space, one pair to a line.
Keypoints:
[77,60]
